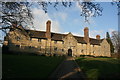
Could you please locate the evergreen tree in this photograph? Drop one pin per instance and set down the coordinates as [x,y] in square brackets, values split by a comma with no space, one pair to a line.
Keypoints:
[110,42]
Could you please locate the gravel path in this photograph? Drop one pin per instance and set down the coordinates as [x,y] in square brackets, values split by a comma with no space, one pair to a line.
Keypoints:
[68,69]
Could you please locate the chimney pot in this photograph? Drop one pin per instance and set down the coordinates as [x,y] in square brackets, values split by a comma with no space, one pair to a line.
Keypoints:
[98,37]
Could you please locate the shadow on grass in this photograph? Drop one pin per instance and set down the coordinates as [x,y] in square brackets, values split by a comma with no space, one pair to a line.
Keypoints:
[101,68]
[28,66]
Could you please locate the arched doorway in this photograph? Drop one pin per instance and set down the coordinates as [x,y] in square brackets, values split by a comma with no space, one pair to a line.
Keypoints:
[69,52]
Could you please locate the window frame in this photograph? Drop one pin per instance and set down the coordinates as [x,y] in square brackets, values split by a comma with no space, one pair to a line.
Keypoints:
[62,50]
[39,40]
[17,46]
[55,49]
[62,42]
[30,39]
[55,42]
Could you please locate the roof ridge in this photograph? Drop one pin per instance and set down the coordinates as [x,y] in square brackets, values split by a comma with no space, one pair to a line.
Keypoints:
[34,30]
[78,36]
[44,31]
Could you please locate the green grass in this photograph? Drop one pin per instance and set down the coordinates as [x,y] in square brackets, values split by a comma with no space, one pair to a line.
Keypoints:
[27,66]
[100,68]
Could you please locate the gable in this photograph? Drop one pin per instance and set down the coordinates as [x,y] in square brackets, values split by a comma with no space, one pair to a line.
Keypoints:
[69,39]
[104,41]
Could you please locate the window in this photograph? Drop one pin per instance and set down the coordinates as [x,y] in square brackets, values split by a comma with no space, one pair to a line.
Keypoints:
[30,39]
[40,48]
[82,45]
[31,47]
[62,49]
[17,45]
[55,48]
[82,51]
[55,42]
[39,40]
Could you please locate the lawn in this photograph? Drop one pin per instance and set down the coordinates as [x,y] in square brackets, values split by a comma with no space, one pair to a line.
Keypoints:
[28,66]
[100,68]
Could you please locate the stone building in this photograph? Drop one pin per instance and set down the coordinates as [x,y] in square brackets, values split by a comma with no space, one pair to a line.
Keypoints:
[46,42]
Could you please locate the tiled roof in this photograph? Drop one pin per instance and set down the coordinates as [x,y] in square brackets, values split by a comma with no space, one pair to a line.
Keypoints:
[94,41]
[41,34]
[80,39]
[36,34]
[59,37]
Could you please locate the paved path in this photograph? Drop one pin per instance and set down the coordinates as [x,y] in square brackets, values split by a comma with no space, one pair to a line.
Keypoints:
[68,69]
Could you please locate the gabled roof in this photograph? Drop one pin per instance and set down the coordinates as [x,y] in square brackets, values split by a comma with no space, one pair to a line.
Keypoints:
[80,39]
[59,37]
[94,41]
[41,34]
[36,34]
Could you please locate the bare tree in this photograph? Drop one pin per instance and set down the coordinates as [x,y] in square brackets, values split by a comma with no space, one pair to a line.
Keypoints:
[117,3]
[20,13]
[15,13]
[116,42]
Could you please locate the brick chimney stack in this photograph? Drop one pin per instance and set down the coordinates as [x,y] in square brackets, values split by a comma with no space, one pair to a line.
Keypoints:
[48,29]
[98,37]
[86,34]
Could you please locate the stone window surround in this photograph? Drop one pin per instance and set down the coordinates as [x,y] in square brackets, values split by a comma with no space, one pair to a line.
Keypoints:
[40,48]
[30,39]
[55,49]
[39,40]
[62,49]
[55,42]
[82,51]
[62,42]
[31,47]
[17,45]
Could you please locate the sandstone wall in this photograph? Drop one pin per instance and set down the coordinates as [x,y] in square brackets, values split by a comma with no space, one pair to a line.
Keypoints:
[105,48]
[22,43]
[70,43]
